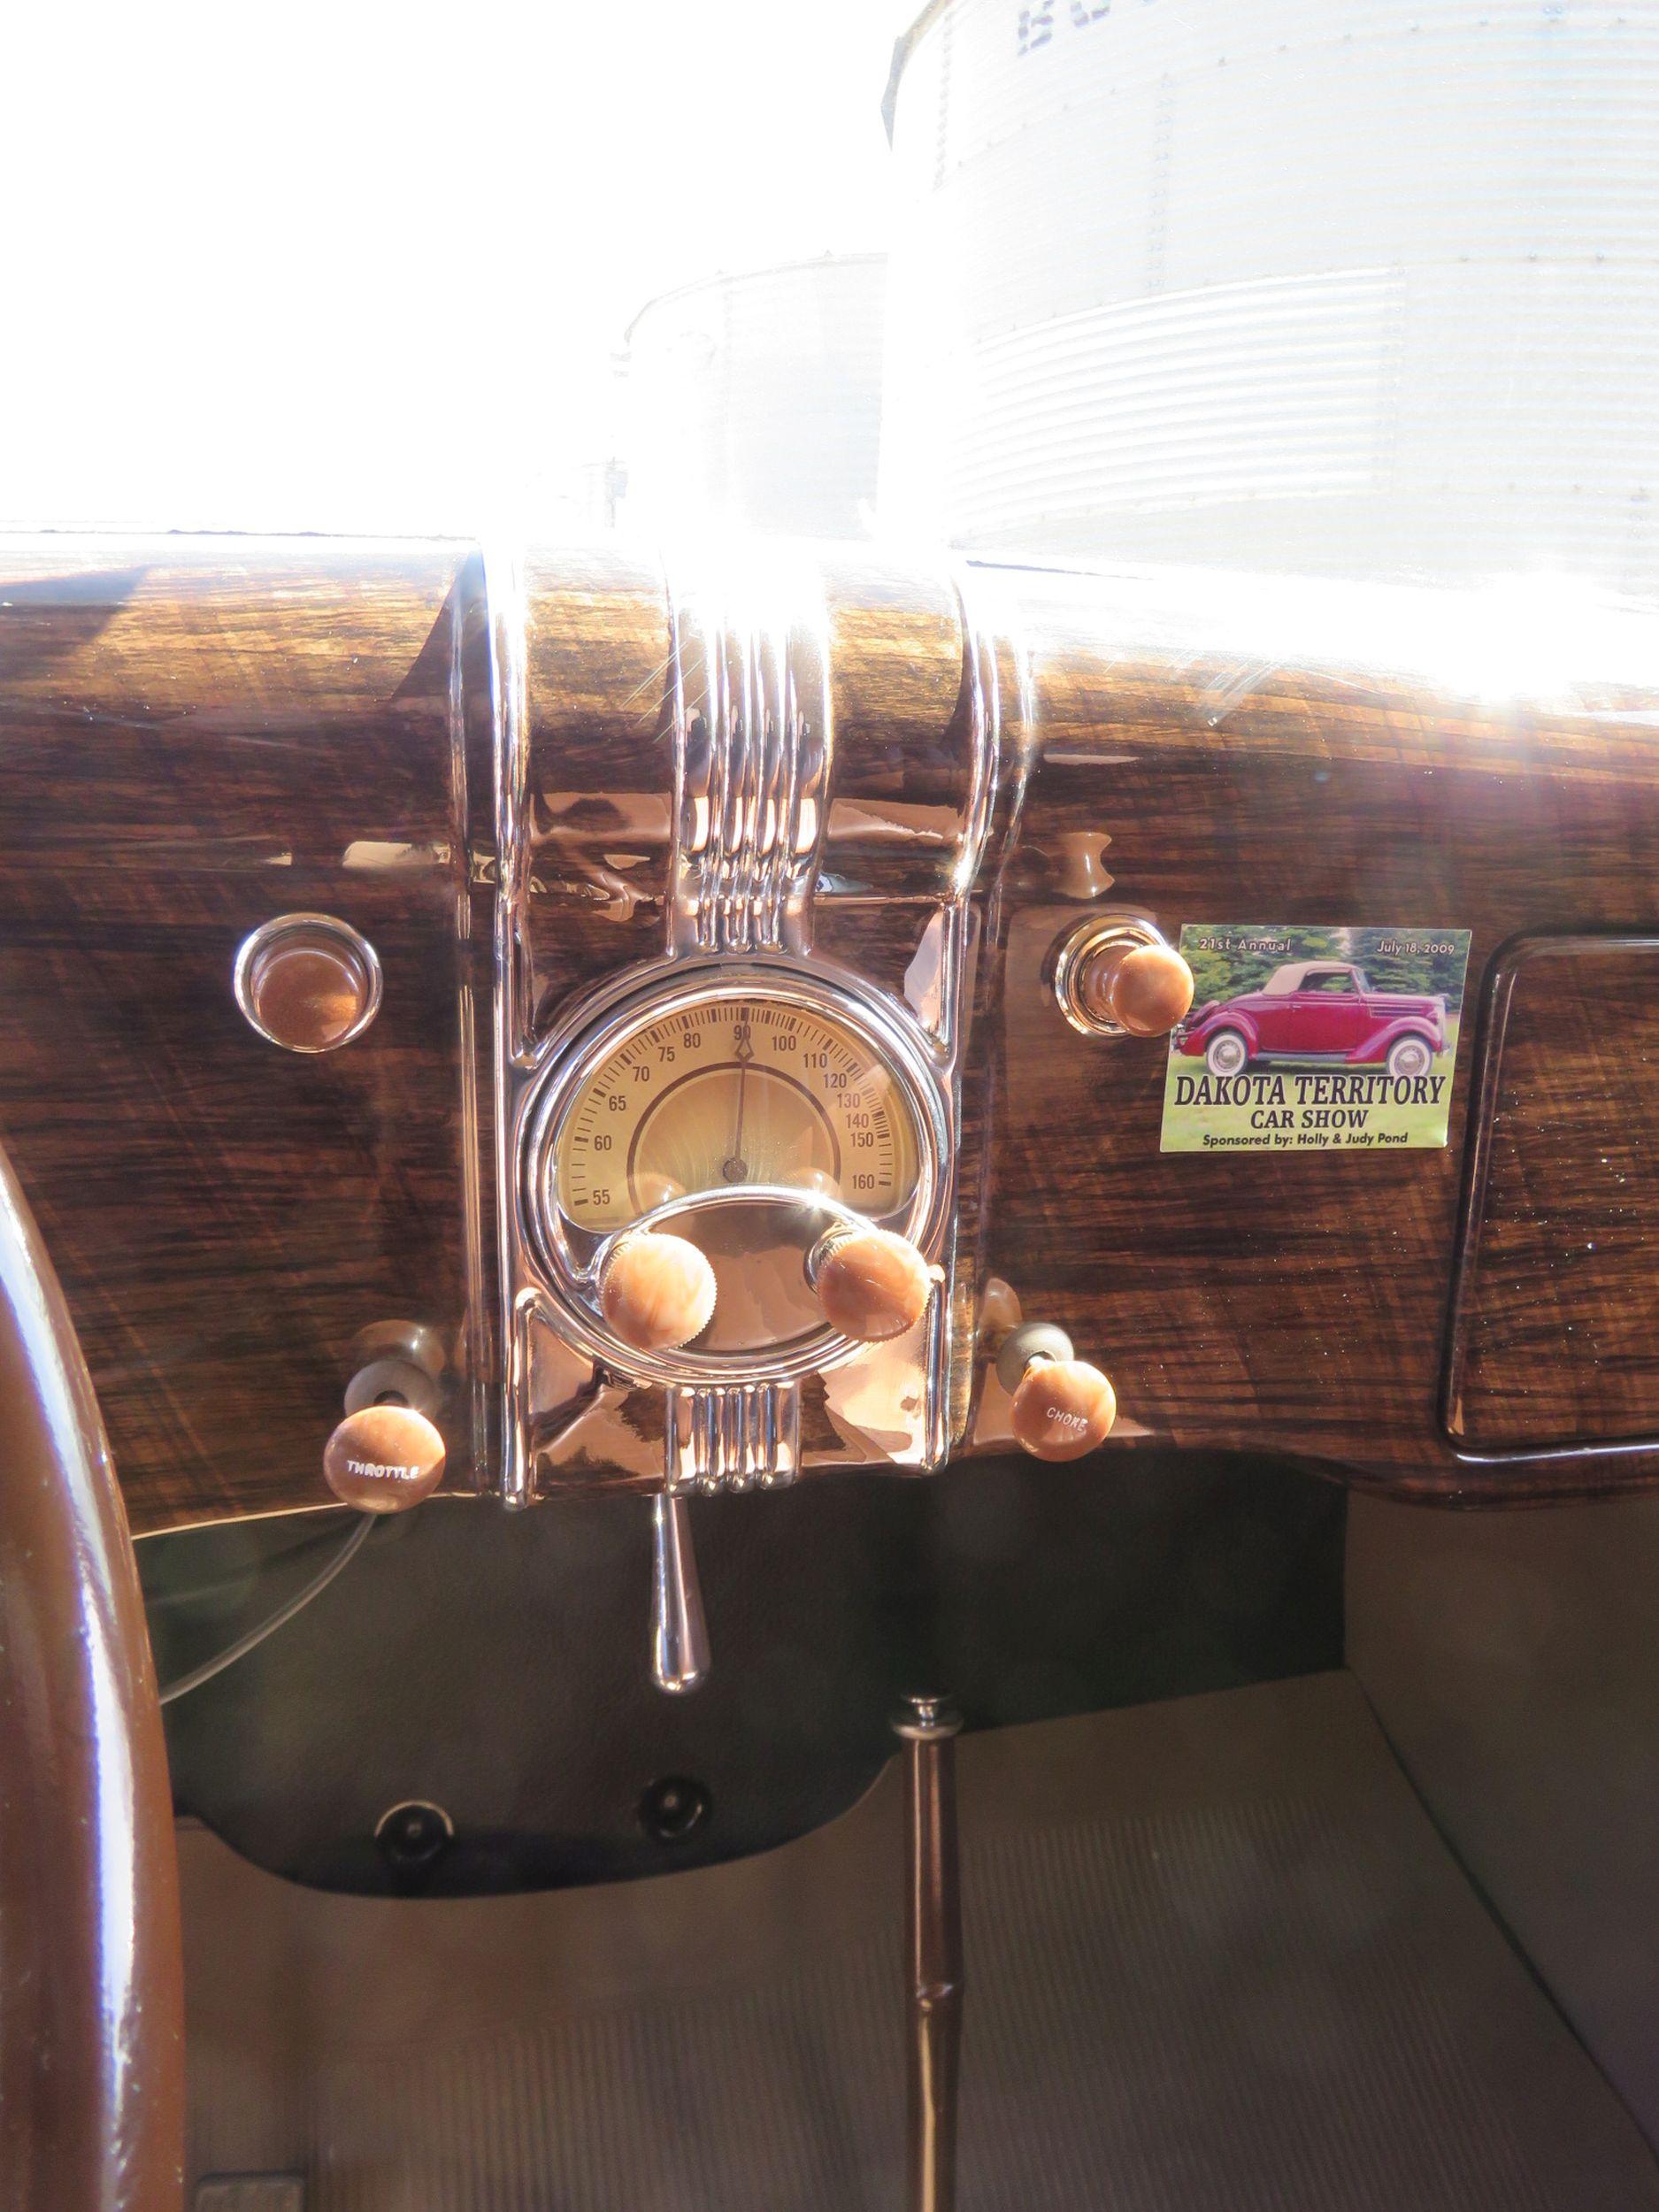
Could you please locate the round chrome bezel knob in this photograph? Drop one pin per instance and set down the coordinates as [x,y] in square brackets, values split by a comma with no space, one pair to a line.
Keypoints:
[657,1291]
[309,983]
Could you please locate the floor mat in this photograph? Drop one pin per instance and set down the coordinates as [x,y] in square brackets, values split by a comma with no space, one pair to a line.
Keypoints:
[1217,1956]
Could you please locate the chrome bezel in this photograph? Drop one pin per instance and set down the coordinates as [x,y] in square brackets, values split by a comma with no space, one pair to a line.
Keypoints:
[352,944]
[1096,933]
[568,1257]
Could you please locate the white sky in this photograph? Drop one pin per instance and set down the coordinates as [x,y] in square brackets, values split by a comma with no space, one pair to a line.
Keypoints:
[361,266]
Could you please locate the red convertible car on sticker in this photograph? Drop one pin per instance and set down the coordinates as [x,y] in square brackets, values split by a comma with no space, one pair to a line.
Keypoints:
[1317,1009]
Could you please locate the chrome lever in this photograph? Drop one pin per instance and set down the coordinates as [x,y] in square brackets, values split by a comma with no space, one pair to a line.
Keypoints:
[680,1635]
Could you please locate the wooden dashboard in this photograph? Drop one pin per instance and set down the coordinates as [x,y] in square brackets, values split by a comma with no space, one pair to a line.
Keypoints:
[198,736]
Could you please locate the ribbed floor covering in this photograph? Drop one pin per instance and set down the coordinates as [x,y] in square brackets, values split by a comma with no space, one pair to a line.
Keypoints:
[1217,1958]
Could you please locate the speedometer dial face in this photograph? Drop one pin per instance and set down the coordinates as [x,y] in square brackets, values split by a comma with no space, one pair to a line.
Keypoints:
[736,1091]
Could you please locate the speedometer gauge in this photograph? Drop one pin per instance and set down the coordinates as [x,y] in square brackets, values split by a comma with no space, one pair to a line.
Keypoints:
[731,1091]
[750,1112]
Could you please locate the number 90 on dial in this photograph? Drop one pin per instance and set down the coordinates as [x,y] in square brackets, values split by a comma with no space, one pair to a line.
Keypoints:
[735,1091]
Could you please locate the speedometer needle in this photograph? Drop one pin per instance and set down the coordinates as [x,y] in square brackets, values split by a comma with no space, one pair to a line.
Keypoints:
[734,1167]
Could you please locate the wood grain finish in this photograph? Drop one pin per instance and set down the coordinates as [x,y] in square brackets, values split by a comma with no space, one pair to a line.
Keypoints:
[195,738]
[1295,1302]
[1553,1341]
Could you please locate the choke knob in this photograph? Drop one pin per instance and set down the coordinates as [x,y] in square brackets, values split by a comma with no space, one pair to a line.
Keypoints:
[1061,1407]
[657,1291]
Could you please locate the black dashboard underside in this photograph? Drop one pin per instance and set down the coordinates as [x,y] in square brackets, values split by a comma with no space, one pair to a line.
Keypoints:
[492,1664]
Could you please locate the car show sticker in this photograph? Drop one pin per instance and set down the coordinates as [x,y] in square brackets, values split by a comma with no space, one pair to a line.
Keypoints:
[1315,1039]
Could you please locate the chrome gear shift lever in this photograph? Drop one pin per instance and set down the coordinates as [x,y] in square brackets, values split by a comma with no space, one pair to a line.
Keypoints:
[680,1635]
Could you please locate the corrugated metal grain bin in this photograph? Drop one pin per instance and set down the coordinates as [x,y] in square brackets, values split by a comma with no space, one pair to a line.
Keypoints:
[1349,286]
[755,401]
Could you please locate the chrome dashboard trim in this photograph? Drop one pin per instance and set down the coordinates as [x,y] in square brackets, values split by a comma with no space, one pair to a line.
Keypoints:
[749,692]
[567,1256]
[753,746]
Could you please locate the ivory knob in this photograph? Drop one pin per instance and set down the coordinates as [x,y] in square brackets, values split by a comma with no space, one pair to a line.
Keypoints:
[873,1285]
[656,1292]
[384,1459]
[1144,989]
[1062,1408]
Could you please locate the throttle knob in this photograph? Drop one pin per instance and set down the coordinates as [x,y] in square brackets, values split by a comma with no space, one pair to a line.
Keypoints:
[384,1459]
[656,1292]
[871,1283]
[1144,989]
[1063,1409]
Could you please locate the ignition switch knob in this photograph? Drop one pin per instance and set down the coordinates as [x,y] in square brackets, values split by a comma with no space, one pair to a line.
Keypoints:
[384,1459]
[657,1291]
[871,1283]
[1061,1407]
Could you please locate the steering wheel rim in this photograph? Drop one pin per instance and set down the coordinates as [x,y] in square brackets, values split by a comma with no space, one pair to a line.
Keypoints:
[91,1972]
